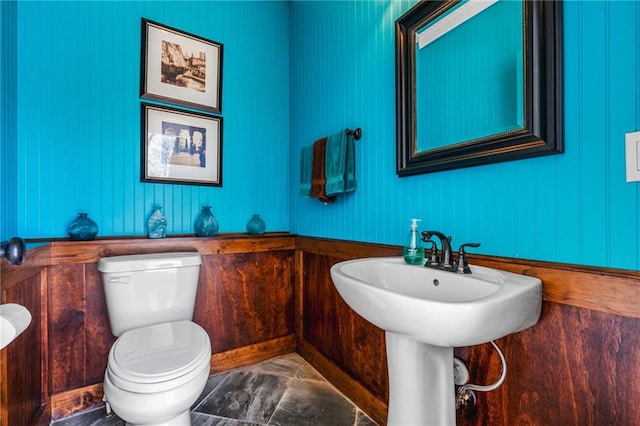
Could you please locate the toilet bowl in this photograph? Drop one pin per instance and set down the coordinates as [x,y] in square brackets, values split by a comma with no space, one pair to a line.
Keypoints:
[160,362]
[156,373]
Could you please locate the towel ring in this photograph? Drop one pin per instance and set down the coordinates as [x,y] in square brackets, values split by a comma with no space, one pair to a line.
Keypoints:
[357,133]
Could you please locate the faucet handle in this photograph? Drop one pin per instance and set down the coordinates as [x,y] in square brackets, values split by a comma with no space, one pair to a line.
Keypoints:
[433,259]
[462,246]
[461,266]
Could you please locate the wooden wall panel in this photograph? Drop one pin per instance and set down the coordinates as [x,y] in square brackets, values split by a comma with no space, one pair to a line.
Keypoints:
[97,331]
[575,367]
[338,332]
[611,291]
[246,288]
[65,252]
[245,298]
[67,327]
[78,326]
[23,363]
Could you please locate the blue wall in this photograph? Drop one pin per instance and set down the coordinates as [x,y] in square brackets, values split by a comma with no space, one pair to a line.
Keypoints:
[574,208]
[78,109]
[8,102]
[294,72]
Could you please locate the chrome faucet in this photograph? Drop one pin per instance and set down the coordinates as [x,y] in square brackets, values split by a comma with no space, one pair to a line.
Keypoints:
[446,263]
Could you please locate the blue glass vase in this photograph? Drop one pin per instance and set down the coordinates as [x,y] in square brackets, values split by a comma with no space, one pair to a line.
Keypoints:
[206,224]
[82,228]
[157,224]
[256,225]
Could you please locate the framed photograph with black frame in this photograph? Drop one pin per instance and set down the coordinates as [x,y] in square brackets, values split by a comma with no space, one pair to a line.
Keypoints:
[180,68]
[181,147]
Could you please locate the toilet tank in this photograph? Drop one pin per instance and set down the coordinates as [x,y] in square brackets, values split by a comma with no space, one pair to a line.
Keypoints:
[146,289]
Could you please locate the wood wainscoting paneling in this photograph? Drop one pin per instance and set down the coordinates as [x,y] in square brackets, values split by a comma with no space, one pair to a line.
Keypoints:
[246,298]
[612,291]
[24,362]
[341,345]
[577,366]
[78,326]
[342,335]
[68,252]
[245,302]
[264,296]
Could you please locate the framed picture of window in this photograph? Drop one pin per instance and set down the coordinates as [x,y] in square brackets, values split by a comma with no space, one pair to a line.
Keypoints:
[180,68]
[180,146]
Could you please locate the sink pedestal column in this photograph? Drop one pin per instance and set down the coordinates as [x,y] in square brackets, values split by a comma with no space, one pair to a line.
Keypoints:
[421,386]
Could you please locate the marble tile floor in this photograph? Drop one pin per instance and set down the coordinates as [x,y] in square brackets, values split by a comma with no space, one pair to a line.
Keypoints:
[282,391]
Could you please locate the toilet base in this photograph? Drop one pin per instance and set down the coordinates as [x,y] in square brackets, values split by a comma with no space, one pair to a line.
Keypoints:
[182,419]
[153,409]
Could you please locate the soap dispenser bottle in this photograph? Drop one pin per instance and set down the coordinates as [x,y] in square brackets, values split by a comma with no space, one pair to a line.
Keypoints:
[413,250]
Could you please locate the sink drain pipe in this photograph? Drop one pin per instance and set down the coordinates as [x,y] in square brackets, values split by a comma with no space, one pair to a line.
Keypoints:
[465,395]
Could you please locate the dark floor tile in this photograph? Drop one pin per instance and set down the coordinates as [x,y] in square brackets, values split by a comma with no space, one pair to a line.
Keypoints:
[290,365]
[313,403]
[307,372]
[282,391]
[198,419]
[90,418]
[212,382]
[363,420]
[245,395]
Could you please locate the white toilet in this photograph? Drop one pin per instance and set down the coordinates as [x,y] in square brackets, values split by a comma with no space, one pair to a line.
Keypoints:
[160,362]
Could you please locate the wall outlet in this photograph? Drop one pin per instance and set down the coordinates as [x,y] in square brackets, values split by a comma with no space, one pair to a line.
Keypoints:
[632,142]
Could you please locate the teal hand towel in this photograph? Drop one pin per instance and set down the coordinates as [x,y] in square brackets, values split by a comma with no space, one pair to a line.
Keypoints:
[340,165]
[350,166]
[306,167]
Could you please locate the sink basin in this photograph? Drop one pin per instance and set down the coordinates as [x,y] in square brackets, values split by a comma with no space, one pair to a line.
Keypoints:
[14,319]
[425,313]
[439,307]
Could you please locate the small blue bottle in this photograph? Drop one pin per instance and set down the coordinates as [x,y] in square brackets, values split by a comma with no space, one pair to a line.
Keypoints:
[157,224]
[206,224]
[82,228]
[256,225]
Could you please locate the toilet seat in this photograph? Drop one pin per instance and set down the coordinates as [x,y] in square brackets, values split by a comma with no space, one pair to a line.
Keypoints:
[159,357]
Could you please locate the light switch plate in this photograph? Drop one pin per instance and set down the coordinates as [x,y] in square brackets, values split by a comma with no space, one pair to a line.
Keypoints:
[632,142]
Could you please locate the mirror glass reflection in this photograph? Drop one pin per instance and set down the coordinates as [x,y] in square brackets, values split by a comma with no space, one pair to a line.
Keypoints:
[470,56]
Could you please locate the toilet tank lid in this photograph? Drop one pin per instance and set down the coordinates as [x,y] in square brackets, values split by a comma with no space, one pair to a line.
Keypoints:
[141,262]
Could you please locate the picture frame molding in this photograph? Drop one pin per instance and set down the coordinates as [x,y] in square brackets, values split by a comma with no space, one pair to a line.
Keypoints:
[151,86]
[154,147]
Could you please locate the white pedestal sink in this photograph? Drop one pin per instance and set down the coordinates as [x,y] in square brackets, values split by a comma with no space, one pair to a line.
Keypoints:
[427,312]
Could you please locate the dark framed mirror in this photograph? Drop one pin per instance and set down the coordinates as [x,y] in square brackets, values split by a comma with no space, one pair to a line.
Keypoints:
[478,82]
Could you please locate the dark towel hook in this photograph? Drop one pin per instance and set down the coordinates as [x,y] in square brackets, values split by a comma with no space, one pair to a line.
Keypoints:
[357,133]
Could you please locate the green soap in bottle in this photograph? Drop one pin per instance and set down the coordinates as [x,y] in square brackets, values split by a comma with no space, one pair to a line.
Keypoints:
[413,250]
